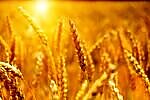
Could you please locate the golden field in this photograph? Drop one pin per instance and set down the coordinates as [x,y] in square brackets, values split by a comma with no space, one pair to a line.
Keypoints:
[81,50]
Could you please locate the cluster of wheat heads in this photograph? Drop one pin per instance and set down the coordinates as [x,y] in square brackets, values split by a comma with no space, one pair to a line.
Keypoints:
[95,73]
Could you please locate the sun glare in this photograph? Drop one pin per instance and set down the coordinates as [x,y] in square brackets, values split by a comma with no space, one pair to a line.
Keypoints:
[41,6]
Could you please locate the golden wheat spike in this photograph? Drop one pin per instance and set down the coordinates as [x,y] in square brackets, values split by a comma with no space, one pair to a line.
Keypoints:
[55,92]
[16,50]
[137,67]
[91,67]
[35,26]
[65,82]
[13,46]
[82,90]
[12,49]
[12,69]
[147,47]
[99,82]
[58,38]
[10,27]
[44,41]
[85,59]
[19,52]
[47,66]
[120,42]
[136,48]
[98,43]
[5,52]
[62,78]
[105,61]
[94,87]
[10,77]
[38,67]
[80,52]
[148,52]
[113,86]
[11,33]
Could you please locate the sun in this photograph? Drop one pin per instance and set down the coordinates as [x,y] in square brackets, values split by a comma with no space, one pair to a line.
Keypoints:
[41,6]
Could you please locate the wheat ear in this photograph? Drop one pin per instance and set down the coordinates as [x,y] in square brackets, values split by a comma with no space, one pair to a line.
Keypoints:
[99,82]
[62,78]
[94,87]
[137,67]
[43,39]
[58,38]
[85,59]
[55,91]
[148,59]
[113,86]
[5,47]
[136,48]
[9,76]
[82,90]
[98,43]
[79,49]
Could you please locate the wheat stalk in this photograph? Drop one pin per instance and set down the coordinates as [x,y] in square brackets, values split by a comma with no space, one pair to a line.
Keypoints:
[91,67]
[62,78]
[79,49]
[136,48]
[136,66]
[113,86]
[19,52]
[4,49]
[98,43]
[94,87]
[99,82]
[44,41]
[85,59]
[10,27]
[148,52]
[12,49]
[82,90]
[16,47]
[55,92]
[55,69]
[58,38]
[38,69]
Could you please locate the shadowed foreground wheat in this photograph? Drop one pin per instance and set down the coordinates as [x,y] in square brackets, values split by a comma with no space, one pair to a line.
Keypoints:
[103,75]
[9,78]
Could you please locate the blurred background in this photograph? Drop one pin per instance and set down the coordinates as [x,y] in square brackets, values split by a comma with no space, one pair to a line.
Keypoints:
[91,17]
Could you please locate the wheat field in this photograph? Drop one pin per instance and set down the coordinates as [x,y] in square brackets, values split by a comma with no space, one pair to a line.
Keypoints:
[81,50]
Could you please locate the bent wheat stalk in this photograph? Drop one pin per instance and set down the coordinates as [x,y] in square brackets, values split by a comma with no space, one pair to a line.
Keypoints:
[44,41]
[98,43]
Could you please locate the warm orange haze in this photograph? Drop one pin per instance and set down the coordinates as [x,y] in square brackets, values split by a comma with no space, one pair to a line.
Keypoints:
[74,50]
